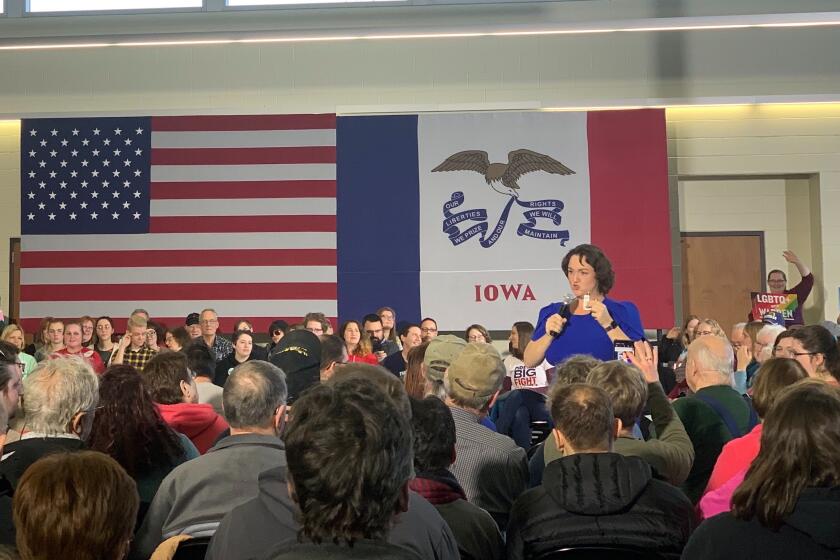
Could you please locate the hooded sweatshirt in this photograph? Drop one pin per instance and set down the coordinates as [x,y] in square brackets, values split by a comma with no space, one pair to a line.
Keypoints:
[810,531]
[599,499]
[199,422]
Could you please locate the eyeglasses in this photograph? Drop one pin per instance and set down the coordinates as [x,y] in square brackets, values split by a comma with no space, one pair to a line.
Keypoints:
[476,338]
[792,354]
[277,332]
[209,321]
[429,330]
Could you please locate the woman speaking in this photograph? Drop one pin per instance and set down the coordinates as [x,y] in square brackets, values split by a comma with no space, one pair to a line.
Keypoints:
[591,322]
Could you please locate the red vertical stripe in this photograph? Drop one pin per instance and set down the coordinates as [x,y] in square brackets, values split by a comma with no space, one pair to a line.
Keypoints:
[628,176]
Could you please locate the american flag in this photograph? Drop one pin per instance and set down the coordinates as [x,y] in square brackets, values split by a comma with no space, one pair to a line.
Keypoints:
[175,214]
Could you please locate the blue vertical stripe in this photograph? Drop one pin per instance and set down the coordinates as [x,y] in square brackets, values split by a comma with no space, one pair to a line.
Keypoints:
[378,216]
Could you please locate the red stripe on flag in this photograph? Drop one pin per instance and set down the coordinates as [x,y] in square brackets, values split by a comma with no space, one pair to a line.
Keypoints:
[231,224]
[178,292]
[226,323]
[243,189]
[217,257]
[242,122]
[243,156]
[628,193]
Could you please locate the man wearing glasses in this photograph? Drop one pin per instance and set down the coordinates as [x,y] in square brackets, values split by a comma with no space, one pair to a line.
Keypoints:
[209,323]
[428,329]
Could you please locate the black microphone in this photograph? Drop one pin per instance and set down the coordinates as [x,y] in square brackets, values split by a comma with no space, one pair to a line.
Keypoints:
[563,311]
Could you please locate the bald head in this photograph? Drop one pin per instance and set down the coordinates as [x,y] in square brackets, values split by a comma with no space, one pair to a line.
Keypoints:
[709,362]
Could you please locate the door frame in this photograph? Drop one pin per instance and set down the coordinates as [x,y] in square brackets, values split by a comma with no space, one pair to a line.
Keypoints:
[759,234]
[13,308]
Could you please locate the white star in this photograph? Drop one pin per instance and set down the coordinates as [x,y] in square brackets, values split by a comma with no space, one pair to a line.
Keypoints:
[136,194]
[84,163]
[31,174]
[136,172]
[94,173]
[116,194]
[139,131]
[31,216]
[105,183]
[42,163]
[53,153]
[126,184]
[126,204]
[64,142]
[105,205]
[117,131]
[138,152]
[117,152]
[106,163]
[137,215]
[31,153]
[41,206]
[94,194]
[72,215]
[75,132]
[52,216]
[93,215]
[127,162]
[63,163]
[85,142]
[74,173]
[43,143]
[74,153]
[128,141]
[83,205]
[74,194]
[107,142]
[84,184]
[96,132]
[33,132]
[54,132]
[63,205]
[52,196]
[116,172]
[31,195]
[42,185]
[63,184]
[95,152]
[53,174]
[115,215]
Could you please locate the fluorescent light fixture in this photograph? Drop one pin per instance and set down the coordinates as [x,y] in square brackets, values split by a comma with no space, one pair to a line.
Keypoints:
[107,5]
[237,3]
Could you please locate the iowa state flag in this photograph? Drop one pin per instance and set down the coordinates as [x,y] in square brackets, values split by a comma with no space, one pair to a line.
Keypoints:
[466,217]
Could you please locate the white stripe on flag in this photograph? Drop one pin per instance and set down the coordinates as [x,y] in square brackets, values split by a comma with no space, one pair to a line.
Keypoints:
[180,241]
[256,172]
[178,275]
[227,308]
[244,139]
[244,207]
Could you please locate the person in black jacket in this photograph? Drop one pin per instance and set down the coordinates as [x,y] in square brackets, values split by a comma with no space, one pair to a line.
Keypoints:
[788,505]
[593,497]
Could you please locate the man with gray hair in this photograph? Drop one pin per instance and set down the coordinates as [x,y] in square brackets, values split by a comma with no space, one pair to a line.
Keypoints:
[196,495]
[491,468]
[61,398]
[715,413]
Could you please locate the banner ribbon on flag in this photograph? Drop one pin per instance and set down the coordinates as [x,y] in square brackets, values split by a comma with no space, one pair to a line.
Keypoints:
[547,208]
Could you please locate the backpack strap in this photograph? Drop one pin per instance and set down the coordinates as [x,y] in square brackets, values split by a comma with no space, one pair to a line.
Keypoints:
[724,414]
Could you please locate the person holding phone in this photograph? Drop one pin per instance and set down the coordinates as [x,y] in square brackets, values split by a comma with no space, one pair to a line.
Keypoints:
[591,322]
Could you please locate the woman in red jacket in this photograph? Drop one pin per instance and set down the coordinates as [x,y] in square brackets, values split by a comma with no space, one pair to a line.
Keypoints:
[358,344]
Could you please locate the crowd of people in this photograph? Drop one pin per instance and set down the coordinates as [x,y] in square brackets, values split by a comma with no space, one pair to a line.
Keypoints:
[385,439]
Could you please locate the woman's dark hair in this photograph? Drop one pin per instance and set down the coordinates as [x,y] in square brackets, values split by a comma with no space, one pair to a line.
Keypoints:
[355,497]
[415,381]
[95,338]
[42,326]
[604,275]
[128,427]
[481,330]
[524,330]
[798,450]
[181,335]
[817,339]
[364,347]
[782,335]
[81,505]
[163,375]
[392,334]
[239,322]
[774,375]
[160,331]
[684,330]
[239,334]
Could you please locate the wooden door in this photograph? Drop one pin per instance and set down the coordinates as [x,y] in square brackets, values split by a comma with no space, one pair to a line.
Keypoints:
[14,277]
[720,270]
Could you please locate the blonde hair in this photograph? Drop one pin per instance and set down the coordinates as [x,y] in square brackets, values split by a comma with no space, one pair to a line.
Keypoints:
[7,332]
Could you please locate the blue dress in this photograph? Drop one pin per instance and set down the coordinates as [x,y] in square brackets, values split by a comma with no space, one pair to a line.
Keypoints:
[583,335]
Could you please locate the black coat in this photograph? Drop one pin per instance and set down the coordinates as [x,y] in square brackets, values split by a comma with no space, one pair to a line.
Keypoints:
[811,531]
[599,499]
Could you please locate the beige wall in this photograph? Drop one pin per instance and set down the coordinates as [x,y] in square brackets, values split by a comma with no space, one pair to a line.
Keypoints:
[9,199]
